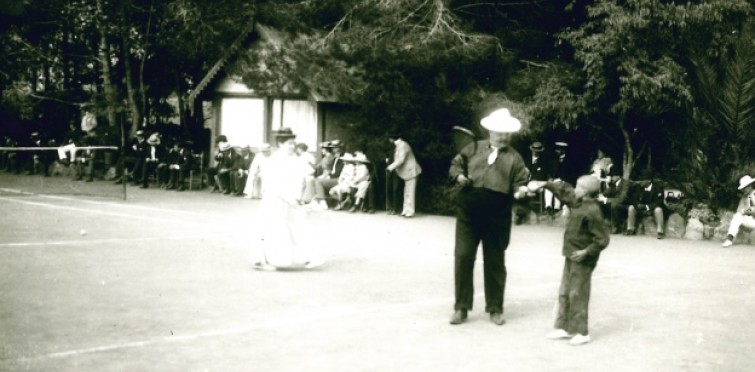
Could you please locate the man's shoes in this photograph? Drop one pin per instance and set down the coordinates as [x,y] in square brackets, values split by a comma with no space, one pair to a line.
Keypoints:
[661,235]
[459,317]
[497,318]
[615,230]
[727,243]
[629,232]
[391,212]
[580,339]
[143,186]
[558,334]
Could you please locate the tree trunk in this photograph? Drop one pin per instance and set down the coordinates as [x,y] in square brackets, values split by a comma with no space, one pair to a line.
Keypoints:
[628,159]
[103,52]
[136,116]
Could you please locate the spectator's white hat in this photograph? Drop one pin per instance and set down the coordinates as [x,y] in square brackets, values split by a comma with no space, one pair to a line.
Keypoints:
[745,181]
[265,147]
[154,139]
[360,157]
[347,157]
[501,121]
[224,146]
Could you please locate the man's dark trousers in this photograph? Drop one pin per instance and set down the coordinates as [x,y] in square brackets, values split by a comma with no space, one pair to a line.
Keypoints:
[482,215]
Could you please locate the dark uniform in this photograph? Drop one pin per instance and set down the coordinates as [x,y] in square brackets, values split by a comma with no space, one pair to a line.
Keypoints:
[483,213]
[241,170]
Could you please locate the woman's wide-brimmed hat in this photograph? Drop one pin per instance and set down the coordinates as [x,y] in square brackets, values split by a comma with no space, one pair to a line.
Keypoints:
[745,181]
[284,134]
[347,157]
[333,144]
[537,147]
[501,121]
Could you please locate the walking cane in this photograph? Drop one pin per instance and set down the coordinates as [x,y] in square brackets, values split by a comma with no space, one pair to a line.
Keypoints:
[387,175]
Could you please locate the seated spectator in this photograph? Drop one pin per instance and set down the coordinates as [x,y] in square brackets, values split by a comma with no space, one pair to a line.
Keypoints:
[745,215]
[361,182]
[329,178]
[615,202]
[308,164]
[11,157]
[253,188]
[646,200]
[244,159]
[212,170]
[85,161]
[67,152]
[342,189]
[42,160]
[226,163]
[155,154]
[180,160]
[136,155]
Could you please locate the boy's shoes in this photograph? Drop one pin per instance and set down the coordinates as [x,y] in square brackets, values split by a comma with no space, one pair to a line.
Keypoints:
[264,267]
[580,339]
[661,235]
[497,318]
[459,317]
[558,334]
[314,263]
[727,243]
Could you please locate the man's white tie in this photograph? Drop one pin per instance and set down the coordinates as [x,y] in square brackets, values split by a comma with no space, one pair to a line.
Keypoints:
[493,155]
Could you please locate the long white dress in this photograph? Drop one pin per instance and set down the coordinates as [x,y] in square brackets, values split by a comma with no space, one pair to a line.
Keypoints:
[287,237]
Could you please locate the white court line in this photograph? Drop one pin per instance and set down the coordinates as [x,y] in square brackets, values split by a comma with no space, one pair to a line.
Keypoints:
[116,214]
[282,323]
[102,241]
[101,203]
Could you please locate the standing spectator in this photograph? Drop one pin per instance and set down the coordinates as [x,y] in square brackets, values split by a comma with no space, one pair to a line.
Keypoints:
[407,169]
[41,160]
[647,199]
[240,174]
[496,175]
[538,168]
[257,169]
[562,170]
[309,166]
[155,154]
[744,217]
[286,237]
[601,169]
[329,177]
[88,119]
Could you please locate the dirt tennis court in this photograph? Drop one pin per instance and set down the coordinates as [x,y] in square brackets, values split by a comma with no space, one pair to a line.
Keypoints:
[161,282]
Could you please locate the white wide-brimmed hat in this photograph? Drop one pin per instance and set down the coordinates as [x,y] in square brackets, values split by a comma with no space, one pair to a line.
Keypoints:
[360,157]
[347,157]
[745,181]
[501,121]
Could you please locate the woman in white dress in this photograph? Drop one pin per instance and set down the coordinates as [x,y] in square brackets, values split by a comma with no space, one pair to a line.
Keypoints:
[287,236]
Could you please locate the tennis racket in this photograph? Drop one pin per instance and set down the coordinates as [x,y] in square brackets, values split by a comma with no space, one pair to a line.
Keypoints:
[461,138]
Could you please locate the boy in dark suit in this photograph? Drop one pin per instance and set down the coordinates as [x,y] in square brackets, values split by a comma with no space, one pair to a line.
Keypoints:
[647,200]
[585,237]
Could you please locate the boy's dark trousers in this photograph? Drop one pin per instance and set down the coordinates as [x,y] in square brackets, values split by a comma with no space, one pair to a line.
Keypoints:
[574,297]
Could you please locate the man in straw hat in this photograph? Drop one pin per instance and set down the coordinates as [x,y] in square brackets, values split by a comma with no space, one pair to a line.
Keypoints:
[496,175]
[745,210]
[407,169]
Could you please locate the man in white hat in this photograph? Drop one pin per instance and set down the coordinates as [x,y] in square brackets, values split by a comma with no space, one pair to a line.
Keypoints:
[745,210]
[253,188]
[496,175]
[406,168]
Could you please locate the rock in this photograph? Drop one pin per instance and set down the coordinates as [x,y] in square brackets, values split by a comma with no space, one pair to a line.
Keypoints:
[675,226]
[647,226]
[694,229]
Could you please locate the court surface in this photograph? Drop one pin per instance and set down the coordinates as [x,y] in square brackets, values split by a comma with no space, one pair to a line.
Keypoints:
[162,282]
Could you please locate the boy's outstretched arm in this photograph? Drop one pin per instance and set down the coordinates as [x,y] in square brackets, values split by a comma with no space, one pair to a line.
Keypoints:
[563,190]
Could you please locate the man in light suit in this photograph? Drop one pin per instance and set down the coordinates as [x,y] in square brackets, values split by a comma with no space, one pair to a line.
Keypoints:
[406,168]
